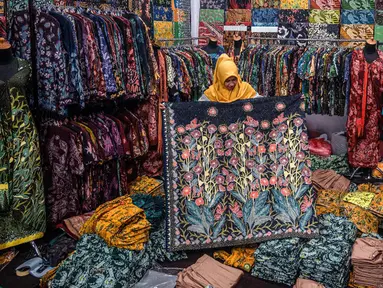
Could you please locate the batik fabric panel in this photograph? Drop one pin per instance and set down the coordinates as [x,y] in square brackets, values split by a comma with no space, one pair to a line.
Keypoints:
[293,31]
[379,4]
[239,4]
[358,4]
[238,17]
[358,17]
[266,4]
[294,4]
[237,173]
[293,16]
[379,17]
[164,30]
[356,31]
[162,13]
[264,17]
[324,16]
[213,4]
[379,34]
[278,260]
[323,31]
[325,4]
[211,25]
[327,260]
[164,3]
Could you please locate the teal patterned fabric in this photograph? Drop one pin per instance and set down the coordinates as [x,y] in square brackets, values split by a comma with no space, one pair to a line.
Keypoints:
[337,163]
[153,207]
[278,260]
[327,259]
[95,265]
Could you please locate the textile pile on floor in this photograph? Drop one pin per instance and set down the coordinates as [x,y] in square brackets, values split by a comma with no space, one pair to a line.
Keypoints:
[207,271]
[278,260]
[367,259]
[327,259]
[329,180]
[337,163]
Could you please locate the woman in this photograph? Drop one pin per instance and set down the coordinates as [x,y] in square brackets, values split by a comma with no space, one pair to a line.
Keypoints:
[227,84]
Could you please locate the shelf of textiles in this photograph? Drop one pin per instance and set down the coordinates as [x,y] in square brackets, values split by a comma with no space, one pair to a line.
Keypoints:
[322,74]
[85,57]
[90,160]
[185,73]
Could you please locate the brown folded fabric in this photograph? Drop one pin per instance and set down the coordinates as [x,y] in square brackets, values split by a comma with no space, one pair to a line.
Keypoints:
[329,180]
[207,271]
[305,283]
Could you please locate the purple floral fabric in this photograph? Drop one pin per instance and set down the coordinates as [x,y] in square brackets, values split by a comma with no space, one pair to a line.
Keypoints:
[236,174]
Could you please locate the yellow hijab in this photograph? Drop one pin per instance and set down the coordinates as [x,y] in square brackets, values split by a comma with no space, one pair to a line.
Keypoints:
[217,92]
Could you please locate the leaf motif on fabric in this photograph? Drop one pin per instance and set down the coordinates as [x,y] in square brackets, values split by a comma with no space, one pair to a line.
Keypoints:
[239,224]
[305,219]
[197,229]
[218,227]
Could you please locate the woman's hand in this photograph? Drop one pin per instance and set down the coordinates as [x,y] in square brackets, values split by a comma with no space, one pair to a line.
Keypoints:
[162,106]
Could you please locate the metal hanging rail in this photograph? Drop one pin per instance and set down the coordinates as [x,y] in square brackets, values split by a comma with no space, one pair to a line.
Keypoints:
[180,39]
[307,39]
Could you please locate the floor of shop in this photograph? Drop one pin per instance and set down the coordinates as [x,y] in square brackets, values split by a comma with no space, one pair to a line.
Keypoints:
[8,278]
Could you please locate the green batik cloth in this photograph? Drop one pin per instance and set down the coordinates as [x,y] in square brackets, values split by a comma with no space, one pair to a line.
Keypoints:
[358,4]
[327,260]
[379,34]
[337,163]
[278,260]
[95,265]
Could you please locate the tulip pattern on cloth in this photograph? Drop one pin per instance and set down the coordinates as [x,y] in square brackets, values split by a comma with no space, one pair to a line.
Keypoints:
[238,173]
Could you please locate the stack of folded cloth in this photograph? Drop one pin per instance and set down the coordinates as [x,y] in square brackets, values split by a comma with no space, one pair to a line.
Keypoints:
[327,260]
[367,259]
[207,271]
[278,260]
[120,223]
[329,180]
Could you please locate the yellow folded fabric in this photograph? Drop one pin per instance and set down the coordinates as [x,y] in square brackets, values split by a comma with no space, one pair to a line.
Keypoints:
[242,258]
[120,223]
[361,199]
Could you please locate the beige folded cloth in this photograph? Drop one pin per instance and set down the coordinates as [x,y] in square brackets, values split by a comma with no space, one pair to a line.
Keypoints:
[207,271]
[329,180]
[305,283]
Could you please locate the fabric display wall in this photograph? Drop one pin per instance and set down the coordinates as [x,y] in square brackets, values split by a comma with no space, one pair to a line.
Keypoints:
[211,20]
[283,70]
[358,18]
[185,73]
[379,21]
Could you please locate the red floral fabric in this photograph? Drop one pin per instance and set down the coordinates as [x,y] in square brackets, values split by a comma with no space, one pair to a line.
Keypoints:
[363,150]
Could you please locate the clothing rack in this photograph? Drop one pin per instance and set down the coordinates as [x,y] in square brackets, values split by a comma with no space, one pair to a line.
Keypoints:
[180,39]
[309,39]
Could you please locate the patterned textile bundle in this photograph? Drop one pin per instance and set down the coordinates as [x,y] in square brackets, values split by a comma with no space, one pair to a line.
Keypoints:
[327,259]
[278,260]
[146,185]
[237,173]
[96,264]
[337,163]
[329,180]
[153,207]
[120,223]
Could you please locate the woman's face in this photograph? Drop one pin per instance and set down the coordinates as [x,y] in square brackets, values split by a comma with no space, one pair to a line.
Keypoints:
[231,82]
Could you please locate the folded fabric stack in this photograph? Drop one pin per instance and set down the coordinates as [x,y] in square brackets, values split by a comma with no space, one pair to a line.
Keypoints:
[337,203]
[154,207]
[207,271]
[329,180]
[327,260]
[120,223]
[305,283]
[242,258]
[146,185]
[337,163]
[367,259]
[96,264]
[278,260]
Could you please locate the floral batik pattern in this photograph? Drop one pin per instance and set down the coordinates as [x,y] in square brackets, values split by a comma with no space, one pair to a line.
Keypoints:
[358,17]
[236,174]
[325,4]
[238,17]
[265,17]
[323,31]
[324,16]
[358,4]
[294,4]
[213,4]
[162,13]
[266,4]
[239,4]
[294,16]
[293,31]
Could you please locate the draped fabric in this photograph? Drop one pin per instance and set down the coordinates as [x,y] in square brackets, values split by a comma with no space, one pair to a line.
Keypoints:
[22,203]
[224,173]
